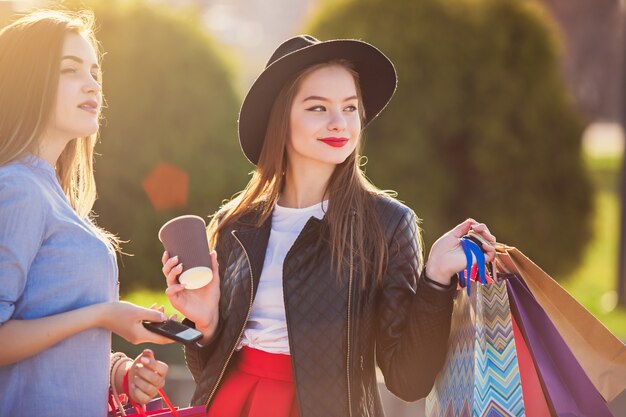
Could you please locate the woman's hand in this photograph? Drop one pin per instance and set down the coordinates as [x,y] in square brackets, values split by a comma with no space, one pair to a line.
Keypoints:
[200,305]
[447,257]
[125,319]
[145,376]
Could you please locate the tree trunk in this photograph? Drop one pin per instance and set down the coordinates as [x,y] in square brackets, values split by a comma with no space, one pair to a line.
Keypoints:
[621,278]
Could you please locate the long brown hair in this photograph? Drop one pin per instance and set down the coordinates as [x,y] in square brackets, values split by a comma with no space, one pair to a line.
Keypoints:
[30,57]
[350,207]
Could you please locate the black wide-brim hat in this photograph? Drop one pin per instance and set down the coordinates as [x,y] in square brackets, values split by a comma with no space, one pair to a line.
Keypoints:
[377,80]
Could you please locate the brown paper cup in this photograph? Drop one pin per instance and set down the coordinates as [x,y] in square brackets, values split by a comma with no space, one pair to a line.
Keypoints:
[185,237]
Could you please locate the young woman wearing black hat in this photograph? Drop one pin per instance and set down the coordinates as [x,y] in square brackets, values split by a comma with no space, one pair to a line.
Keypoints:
[319,272]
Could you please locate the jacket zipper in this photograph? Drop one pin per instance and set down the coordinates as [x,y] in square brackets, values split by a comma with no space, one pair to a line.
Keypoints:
[349,325]
[232,351]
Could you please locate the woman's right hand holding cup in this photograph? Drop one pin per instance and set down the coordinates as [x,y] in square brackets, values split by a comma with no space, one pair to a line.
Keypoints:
[199,305]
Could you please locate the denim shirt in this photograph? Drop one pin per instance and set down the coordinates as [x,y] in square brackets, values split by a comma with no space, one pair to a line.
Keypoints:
[52,261]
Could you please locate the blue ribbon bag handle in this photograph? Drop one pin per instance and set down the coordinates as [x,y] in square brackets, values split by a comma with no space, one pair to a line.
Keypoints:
[472,250]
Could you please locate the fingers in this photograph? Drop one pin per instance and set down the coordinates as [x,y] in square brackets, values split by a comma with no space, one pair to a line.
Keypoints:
[146,336]
[162,310]
[215,266]
[131,312]
[152,369]
[461,229]
[152,315]
[171,269]
[472,225]
[146,390]
[141,393]
[482,229]
[165,257]
[140,396]
[147,353]
[146,377]
[174,289]
[172,277]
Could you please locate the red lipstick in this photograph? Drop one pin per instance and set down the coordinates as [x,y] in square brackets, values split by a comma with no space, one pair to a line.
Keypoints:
[335,142]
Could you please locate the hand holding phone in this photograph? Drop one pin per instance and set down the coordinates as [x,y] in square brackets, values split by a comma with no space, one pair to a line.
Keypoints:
[174,330]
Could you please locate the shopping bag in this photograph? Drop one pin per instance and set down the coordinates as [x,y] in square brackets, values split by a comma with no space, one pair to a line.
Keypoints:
[567,388]
[129,410]
[481,375]
[601,355]
[153,410]
[535,403]
[195,411]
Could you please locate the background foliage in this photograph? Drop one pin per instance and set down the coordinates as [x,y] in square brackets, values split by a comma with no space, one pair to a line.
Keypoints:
[481,125]
[170,98]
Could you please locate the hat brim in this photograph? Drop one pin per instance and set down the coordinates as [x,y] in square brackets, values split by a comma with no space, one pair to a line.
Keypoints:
[377,80]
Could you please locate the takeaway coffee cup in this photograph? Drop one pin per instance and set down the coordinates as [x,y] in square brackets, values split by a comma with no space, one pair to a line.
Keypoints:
[185,237]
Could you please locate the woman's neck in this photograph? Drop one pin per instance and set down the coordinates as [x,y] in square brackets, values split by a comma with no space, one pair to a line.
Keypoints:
[305,186]
[50,149]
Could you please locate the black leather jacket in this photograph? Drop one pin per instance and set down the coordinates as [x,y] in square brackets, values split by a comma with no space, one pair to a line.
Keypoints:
[338,329]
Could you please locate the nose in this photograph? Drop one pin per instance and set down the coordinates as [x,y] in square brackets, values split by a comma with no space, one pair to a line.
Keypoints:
[92,86]
[337,122]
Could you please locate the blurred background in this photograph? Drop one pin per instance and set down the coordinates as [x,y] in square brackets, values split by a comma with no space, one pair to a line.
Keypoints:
[508,111]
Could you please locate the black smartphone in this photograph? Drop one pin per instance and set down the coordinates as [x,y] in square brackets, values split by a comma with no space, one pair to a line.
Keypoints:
[174,330]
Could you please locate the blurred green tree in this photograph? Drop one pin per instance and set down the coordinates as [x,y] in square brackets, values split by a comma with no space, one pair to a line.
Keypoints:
[481,125]
[170,99]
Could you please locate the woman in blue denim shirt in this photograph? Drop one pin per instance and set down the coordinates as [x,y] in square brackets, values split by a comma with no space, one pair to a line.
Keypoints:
[58,274]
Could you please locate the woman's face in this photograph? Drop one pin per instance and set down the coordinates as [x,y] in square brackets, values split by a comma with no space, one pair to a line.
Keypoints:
[79,95]
[324,120]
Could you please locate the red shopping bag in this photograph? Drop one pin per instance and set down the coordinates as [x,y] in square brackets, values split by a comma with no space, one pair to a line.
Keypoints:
[535,403]
[197,411]
[171,411]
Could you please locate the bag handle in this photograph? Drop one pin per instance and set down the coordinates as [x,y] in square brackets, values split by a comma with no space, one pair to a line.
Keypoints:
[139,408]
[114,398]
[472,250]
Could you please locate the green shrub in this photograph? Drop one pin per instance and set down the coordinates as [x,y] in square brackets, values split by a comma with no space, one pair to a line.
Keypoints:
[481,125]
[170,98]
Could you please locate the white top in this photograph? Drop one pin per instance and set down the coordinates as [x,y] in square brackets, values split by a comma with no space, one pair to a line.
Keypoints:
[266,328]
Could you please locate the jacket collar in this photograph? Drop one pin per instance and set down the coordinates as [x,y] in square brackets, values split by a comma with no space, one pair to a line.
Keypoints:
[255,238]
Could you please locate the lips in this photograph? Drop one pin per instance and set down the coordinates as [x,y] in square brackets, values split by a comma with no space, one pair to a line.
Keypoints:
[335,142]
[90,106]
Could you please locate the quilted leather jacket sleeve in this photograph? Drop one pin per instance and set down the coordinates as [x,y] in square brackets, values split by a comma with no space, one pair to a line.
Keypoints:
[195,355]
[413,318]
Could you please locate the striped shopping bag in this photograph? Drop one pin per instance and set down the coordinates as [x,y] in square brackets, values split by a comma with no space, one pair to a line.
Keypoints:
[481,374]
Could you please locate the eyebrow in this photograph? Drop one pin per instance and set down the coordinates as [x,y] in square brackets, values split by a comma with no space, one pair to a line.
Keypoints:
[319,98]
[78,60]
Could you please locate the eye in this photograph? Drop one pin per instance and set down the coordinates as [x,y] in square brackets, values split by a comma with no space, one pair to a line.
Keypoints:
[69,70]
[351,108]
[319,108]
[96,76]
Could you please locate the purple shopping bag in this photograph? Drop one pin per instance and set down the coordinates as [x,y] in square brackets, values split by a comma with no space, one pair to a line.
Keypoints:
[569,391]
[154,404]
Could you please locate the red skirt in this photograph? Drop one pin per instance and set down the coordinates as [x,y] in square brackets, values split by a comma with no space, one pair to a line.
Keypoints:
[257,385]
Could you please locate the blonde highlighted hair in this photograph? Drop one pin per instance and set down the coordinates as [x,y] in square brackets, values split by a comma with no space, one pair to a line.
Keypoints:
[30,59]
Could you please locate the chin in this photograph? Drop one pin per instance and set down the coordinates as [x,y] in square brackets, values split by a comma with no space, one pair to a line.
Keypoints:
[340,160]
[87,131]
